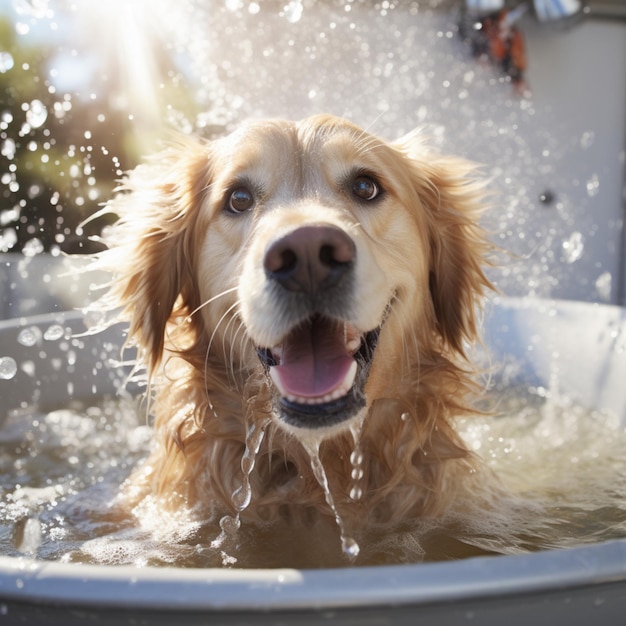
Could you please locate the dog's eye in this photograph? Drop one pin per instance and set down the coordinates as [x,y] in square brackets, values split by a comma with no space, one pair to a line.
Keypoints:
[365,188]
[240,200]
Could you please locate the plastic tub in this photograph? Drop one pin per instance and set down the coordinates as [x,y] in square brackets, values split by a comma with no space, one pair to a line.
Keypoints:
[583,346]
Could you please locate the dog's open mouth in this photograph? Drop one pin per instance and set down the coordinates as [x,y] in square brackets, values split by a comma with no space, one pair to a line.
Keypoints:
[319,371]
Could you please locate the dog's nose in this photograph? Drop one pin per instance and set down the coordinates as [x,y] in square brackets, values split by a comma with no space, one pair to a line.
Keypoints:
[310,258]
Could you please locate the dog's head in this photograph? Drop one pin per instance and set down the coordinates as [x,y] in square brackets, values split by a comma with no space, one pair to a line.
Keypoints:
[314,251]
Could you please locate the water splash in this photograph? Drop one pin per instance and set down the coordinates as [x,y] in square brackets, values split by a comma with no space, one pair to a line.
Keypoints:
[31,536]
[242,496]
[349,546]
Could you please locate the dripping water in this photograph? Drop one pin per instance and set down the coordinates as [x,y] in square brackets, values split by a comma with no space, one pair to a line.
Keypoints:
[356,459]
[348,545]
[241,497]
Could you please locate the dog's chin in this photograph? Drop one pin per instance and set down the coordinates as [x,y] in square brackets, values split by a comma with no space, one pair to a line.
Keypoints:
[318,375]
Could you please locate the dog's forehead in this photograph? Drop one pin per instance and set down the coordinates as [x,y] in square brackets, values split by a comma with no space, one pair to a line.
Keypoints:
[314,146]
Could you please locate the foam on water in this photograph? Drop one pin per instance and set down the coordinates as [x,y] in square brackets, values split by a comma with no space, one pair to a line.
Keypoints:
[60,471]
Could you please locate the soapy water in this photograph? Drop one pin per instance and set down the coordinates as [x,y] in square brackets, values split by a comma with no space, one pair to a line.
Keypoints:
[61,471]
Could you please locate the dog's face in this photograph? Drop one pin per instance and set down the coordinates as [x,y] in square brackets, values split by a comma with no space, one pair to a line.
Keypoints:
[317,252]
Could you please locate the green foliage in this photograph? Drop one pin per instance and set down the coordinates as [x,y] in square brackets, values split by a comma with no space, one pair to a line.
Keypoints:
[61,154]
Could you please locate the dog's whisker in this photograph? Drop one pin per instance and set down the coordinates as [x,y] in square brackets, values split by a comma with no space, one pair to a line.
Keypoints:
[208,352]
[226,313]
[211,300]
[244,339]
[232,340]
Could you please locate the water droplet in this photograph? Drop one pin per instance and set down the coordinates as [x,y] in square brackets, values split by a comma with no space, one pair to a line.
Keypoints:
[28,367]
[234,5]
[547,197]
[356,458]
[8,239]
[293,11]
[604,284]
[357,473]
[34,8]
[350,547]
[6,62]
[587,139]
[54,332]
[33,247]
[8,368]
[593,186]
[8,148]
[356,493]
[29,336]
[573,247]
[37,114]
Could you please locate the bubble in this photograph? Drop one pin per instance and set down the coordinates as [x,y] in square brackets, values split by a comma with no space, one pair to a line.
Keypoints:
[29,336]
[37,114]
[8,368]
[6,62]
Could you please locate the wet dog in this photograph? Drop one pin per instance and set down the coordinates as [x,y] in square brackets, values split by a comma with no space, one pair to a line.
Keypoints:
[302,291]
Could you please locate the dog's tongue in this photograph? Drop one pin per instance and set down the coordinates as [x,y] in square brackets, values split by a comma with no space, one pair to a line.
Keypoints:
[314,360]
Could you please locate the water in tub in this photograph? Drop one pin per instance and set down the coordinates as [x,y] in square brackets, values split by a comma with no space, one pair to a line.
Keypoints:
[61,470]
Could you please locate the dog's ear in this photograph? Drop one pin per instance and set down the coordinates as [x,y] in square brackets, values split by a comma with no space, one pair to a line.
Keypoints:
[152,244]
[454,200]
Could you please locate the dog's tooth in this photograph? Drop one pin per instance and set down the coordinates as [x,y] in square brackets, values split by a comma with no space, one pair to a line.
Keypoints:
[352,345]
[348,381]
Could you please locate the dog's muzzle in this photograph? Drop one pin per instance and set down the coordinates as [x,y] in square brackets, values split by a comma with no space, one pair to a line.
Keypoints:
[320,367]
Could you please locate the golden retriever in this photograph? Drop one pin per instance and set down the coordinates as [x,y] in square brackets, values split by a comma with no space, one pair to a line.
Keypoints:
[302,295]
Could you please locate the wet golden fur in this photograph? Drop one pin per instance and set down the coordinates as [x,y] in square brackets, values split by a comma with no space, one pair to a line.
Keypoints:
[177,261]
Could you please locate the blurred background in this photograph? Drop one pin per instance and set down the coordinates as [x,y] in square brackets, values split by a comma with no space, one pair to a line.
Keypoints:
[534,90]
